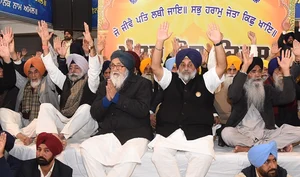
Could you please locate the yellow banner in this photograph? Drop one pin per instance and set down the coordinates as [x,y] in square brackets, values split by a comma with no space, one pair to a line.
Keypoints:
[139,20]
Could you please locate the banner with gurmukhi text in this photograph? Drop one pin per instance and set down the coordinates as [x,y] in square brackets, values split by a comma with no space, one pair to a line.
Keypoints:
[139,20]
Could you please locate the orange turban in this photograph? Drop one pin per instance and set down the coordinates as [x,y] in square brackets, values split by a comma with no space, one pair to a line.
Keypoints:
[235,61]
[35,62]
[144,63]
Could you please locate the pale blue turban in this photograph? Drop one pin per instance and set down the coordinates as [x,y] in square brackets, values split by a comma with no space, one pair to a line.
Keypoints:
[170,63]
[259,154]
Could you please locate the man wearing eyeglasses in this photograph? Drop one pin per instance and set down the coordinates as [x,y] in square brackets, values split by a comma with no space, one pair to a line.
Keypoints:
[122,109]
[185,118]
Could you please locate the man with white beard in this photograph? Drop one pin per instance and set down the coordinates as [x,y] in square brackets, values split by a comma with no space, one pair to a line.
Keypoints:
[33,91]
[184,120]
[72,121]
[285,113]
[122,110]
[252,119]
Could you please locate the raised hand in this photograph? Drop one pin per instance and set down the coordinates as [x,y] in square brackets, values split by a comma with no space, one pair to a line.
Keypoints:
[101,43]
[176,46]
[60,47]
[208,47]
[129,44]
[4,50]
[286,60]
[8,35]
[2,143]
[296,48]
[163,32]
[214,34]
[247,59]
[43,32]
[137,49]
[286,26]
[87,35]
[252,37]
[274,48]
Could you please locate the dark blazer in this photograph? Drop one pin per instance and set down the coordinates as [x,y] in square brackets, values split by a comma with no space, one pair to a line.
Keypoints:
[273,97]
[129,117]
[30,169]
[4,168]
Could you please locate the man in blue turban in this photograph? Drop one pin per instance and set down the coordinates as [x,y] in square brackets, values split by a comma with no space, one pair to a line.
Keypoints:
[263,159]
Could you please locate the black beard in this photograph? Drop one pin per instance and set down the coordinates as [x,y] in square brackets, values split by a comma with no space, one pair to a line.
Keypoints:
[43,162]
[68,38]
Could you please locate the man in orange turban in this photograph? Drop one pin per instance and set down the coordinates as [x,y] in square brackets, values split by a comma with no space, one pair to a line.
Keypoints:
[33,91]
[145,68]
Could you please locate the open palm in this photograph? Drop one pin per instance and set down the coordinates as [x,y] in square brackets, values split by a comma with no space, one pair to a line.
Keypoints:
[214,34]
[163,32]
[286,60]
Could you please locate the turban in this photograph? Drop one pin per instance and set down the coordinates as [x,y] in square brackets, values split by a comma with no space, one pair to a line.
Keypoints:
[266,63]
[51,141]
[10,141]
[235,61]
[35,62]
[105,66]
[256,61]
[78,60]
[192,54]
[273,64]
[136,59]
[144,63]
[126,59]
[170,63]
[258,154]
[69,31]
[288,35]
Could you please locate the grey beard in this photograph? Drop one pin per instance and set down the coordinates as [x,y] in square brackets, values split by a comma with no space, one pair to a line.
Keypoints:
[278,82]
[228,81]
[75,77]
[149,77]
[118,81]
[186,77]
[35,84]
[255,93]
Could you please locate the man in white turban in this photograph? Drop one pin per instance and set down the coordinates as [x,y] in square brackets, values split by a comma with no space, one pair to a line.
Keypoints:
[73,121]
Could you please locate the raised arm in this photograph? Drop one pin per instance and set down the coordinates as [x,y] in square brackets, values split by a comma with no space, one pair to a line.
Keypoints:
[55,74]
[216,37]
[162,36]
[94,63]
[253,49]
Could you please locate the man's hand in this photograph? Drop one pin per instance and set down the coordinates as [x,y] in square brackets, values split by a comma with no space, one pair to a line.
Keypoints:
[4,51]
[252,37]
[296,49]
[43,32]
[129,44]
[247,60]
[176,46]
[110,90]
[2,143]
[60,47]
[101,43]
[153,120]
[137,49]
[214,34]
[286,26]
[163,32]
[274,48]
[285,62]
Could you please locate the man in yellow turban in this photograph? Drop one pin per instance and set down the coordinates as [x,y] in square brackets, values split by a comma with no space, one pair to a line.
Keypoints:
[145,68]
[33,91]
[265,73]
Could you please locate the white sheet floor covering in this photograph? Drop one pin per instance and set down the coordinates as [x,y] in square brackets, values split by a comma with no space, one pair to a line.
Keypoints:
[226,163]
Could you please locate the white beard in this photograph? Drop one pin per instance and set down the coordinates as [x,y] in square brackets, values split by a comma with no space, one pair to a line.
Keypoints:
[228,80]
[185,76]
[35,84]
[278,82]
[255,93]
[149,77]
[118,78]
[74,76]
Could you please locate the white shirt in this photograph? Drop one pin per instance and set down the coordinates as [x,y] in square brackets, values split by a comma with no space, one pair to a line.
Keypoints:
[49,173]
[211,79]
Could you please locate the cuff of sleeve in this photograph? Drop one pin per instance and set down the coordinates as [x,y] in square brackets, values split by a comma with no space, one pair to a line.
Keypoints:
[18,62]
[105,102]
[215,115]
[116,98]
[151,112]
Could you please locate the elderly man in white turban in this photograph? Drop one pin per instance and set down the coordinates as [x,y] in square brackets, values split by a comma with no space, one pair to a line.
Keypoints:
[73,122]
[263,159]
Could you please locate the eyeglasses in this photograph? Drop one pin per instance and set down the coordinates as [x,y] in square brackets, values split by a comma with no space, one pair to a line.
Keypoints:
[118,67]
